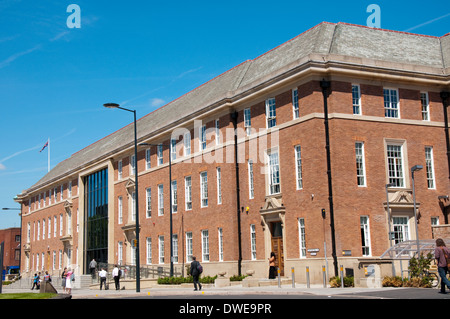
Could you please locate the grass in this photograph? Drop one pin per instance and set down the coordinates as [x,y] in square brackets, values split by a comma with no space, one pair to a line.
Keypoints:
[26,295]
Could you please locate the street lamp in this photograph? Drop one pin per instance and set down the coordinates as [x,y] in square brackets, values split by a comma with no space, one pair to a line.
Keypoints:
[138,266]
[389,222]
[170,196]
[415,168]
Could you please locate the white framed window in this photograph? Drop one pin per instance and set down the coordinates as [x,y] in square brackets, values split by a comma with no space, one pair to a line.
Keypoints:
[365,236]
[401,229]
[217,130]
[220,237]
[49,232]
[202,137]
[148,202]
[43,229]
[360,164]
[173,149]
[55,223]
[247,121]
[391,103]
[159,154]
[298,166]
[188,192]
[161,249]
[356,99]
[189,252]
[187,143]
[251,188]
[434,220]
[395,165]
[61,192]
[60,225]
[69,192]
[120,253]
[54,194]
[120,210]
[425,106]
[295,106]
[219,185]
[39,230]
[429,165]
[274,172]
[132,165]
[148,163]
[253,241]
[160,200]
[271,114]
[133,206]
[205,245]
[148,242]
[174,197]
[175,248]
[302,237]
[204,189]
[119,169]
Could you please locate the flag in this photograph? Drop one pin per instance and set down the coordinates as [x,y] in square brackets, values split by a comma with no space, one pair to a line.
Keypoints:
[46,144]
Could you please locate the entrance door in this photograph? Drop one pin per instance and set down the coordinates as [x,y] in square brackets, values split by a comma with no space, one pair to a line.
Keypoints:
[277,246]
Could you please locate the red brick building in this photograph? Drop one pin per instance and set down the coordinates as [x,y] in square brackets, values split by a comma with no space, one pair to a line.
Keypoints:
[324,121]
[10,238]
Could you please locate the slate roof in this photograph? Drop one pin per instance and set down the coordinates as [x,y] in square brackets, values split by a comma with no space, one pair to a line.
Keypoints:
[341,40]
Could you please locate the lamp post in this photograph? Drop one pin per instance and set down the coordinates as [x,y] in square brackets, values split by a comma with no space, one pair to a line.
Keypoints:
[389,222]
[414,169]
[138,266]
[170,196]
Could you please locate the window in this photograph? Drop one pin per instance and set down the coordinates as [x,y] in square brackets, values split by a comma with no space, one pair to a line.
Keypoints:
[253,241]
[391,103]
[204,189]
[217,132]
[395,165]
[149,250]
[365,236]
[203,137]
[295,103]
[251,189]
[173,149]
[425,106]
[401,229]
[43,229]
[147,159]
[360,165]
[174,197]
[302,237]
[133,206]
[298,167]
[274,173]
[120,253]
[435,221]
[219,185]
[160,200]
[69,192]
[120,210]
[49,232]
[161,249]
[220,235]
[119,169]
[429,167]
[148,193]
[187,143]
[247,121]
[205,245]
[188,192]
[189,253]
[271,113]
[356,98]
[132,165]
[175,248]
[159,154]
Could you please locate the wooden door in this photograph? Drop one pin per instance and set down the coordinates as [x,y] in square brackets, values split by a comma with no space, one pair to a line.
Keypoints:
[277,248]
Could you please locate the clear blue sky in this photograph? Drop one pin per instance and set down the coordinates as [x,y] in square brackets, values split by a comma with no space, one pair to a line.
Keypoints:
[54,79]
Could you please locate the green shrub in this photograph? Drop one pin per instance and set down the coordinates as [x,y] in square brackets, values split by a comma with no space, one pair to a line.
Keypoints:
[335,282]
[185,280]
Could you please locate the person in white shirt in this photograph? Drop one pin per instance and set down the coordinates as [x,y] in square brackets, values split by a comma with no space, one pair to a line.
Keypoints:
[116,276]
[102,274]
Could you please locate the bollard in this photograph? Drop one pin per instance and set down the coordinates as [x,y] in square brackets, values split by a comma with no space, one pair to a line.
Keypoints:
[279,278]
[307,277]
[324,277]
[342,276]
[293,277]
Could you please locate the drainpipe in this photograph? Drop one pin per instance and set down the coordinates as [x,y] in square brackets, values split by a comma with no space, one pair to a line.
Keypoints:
[234,116]
[444,97]
[325,85]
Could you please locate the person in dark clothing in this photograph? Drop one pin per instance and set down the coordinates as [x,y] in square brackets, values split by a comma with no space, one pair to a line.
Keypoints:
[441,253]
[195,273]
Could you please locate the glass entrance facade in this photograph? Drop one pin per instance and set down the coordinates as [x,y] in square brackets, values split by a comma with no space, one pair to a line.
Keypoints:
[96,217]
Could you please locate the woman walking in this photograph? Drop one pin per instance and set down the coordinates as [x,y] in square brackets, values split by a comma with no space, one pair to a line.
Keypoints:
[69,279]
[442,255]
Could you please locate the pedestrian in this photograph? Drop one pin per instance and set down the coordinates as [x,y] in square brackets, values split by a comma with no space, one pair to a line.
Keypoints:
[442,255]
[92,267]
[63,279]
[35,282]
[69,278]
[102,274]
[196,270]
[47,277]
[116,276]
[272,269]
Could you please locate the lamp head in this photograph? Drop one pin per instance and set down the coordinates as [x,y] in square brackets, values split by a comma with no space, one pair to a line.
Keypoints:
[111,105]
[416,168]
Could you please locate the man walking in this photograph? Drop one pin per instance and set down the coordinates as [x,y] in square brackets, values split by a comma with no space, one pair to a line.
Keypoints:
[116,276]
[196,270]
[102,274]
